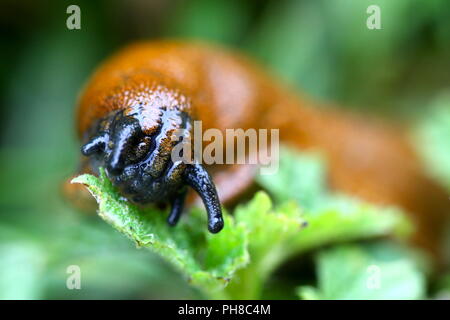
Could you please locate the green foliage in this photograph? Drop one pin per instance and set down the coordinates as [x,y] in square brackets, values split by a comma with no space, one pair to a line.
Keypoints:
[259,238]
[33,262]
[292,228]
[271,232]
[443,287]
[207,261]
[20,262]
[332,216]
[226,19]
[325,49]
[320,46]
[432,135]
[375,271]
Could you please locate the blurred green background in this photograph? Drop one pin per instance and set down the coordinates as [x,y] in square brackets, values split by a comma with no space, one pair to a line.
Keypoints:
[322,47]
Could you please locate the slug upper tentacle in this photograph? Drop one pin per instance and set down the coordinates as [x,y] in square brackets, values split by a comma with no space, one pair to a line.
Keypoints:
[96,144]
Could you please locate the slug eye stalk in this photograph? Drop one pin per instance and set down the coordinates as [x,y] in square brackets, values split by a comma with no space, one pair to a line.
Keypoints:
[95,145]
[125,132]
[198,178]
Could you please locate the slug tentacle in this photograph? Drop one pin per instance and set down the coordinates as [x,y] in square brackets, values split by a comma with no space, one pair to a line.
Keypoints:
[95,145]
[198,178]
[125,133]
[177,208]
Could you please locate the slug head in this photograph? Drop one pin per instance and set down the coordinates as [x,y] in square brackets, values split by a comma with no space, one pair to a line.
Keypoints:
[140,165]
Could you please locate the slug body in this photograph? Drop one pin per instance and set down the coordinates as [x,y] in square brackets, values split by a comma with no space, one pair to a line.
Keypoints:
[140,97]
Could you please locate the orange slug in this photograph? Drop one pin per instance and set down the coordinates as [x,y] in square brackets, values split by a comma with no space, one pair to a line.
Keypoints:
[137,99]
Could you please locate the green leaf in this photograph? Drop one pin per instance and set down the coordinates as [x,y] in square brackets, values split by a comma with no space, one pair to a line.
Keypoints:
[276,234]
[270,232]
[374,271]
[208,261]
[300,177]
[331,216]
[260,237]
[280,232]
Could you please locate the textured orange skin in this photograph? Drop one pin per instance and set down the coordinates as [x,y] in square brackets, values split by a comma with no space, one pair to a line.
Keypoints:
[225,90]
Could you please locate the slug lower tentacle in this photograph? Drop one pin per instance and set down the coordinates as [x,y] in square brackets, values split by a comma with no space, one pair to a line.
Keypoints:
[177,207]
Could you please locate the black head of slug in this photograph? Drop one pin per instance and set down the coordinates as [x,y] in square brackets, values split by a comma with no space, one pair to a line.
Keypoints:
[140,165]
